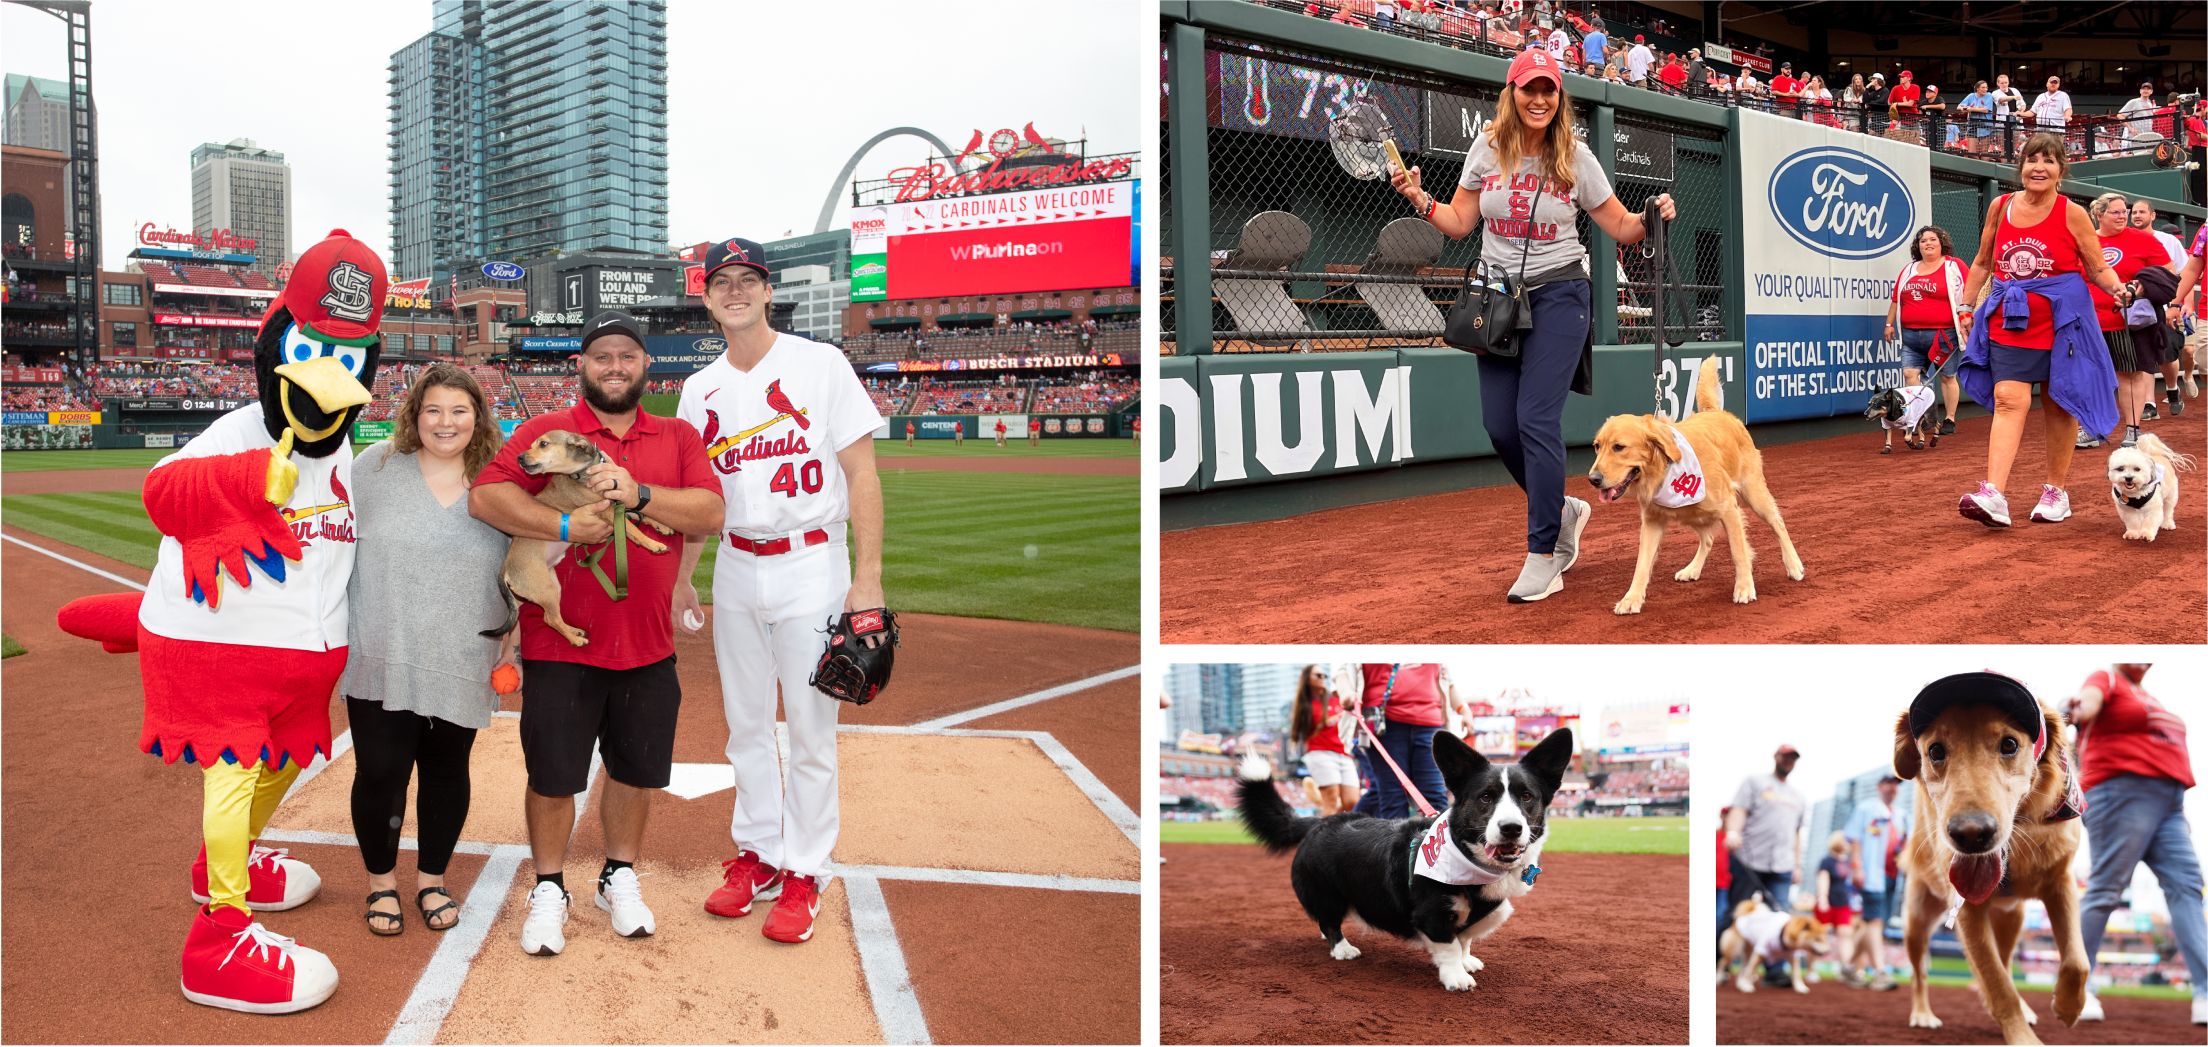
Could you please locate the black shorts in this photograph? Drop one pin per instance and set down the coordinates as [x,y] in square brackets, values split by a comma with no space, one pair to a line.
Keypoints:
[629,714]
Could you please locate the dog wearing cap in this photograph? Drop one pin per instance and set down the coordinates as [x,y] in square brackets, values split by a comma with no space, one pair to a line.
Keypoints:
[241,631]
[1998,808]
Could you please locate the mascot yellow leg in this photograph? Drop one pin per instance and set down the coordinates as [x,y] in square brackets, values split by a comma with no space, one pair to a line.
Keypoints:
[228,825]
[229,960]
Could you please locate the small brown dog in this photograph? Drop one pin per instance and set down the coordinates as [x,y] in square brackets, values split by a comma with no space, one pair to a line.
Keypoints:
[1760,935]
[1718,468]
[1997,823]
[528,573]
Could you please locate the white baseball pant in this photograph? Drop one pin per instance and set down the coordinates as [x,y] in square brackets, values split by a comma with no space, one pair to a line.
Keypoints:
[770,620]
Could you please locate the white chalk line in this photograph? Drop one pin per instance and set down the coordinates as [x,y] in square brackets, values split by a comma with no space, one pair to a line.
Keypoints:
[79,564]
[983,878]
[1044,695]
[882,958]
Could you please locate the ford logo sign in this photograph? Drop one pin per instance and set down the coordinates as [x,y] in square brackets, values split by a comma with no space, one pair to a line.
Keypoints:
[502,270]
[1842,203]
[714,346]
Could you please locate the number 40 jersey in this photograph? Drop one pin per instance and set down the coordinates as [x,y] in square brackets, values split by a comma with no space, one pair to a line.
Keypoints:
[772,433]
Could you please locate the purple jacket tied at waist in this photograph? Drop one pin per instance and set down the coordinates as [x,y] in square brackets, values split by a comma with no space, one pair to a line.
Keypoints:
[2080,376]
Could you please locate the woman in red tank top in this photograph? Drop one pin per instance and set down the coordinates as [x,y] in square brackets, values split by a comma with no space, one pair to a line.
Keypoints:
[2127,251]
[1315,724]
[2031,234]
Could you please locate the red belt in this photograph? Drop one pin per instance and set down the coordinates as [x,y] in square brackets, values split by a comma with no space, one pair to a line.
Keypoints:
[776,546]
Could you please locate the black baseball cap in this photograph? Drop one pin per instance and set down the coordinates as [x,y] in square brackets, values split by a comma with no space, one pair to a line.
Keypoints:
[2005,694]
[612,321]
[736,251]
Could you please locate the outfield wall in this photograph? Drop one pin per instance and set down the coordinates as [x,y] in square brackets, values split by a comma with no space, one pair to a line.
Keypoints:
[984,426]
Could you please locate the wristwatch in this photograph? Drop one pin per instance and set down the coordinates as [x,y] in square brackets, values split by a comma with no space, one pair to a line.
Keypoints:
[643,498]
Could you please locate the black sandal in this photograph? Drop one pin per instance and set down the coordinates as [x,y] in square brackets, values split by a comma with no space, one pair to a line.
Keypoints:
[398,922]
[429,915]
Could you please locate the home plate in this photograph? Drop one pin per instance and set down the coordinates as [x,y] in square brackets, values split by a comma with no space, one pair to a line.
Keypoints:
[692,780]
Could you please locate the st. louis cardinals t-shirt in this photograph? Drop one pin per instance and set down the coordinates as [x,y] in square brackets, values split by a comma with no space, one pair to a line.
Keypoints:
[1547,233]
[772,433]
[2134,734]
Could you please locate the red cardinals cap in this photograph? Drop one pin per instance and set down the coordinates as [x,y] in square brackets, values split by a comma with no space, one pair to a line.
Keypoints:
[1905,74]
[736,251]
[1533,65]
[336,291]
[1640,39]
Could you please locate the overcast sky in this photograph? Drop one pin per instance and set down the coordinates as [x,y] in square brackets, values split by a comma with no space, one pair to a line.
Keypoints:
[766,100]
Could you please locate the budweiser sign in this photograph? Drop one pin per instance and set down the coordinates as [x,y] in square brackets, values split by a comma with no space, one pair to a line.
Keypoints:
[212,240]
[933,180]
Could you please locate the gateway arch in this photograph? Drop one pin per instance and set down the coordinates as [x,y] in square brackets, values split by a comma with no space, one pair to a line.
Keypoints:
[843,177]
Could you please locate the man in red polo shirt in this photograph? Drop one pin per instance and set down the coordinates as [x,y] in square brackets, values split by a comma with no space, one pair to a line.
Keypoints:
[2134,767]
[618,693]
[1904,98]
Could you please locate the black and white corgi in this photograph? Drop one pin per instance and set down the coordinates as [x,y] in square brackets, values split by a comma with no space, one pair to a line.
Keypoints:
[1444,882]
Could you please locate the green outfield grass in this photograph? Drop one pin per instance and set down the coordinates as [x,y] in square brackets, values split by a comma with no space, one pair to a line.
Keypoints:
[1060,447]
[1954,973]
[1566,835]
[8,647]
[1019,546]
[47,461]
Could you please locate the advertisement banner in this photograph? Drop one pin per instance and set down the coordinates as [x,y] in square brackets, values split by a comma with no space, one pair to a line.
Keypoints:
[1495,736]
[161,440]
[548,344]
[30,375]
[1827,216]
[73,417]
[1036,362]
[23,418]
[365,433]
[188,320]
[218,292]
[46,437]
[1000,243]
[682,353]
[929,427]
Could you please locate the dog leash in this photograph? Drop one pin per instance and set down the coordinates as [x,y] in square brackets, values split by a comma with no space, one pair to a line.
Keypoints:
[1424,808]
[1665,277]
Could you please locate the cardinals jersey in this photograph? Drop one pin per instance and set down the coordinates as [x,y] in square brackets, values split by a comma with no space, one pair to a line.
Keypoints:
[305,609]
[772,433]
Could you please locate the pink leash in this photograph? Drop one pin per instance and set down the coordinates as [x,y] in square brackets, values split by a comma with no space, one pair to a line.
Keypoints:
[1417,797]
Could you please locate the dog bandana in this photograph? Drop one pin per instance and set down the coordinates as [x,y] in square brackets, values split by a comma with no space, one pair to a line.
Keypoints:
[1915,400]
[2153,484]
[1683,481]
[1436,857]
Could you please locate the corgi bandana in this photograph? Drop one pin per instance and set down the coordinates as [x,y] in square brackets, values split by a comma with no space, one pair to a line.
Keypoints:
[1436,857]
[1683,481]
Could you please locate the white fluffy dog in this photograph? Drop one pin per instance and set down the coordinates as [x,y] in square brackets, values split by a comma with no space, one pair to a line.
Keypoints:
[2143,483]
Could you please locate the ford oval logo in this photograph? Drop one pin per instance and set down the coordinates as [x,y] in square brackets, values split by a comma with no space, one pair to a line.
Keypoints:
[502,270]
[714,346]
[1842,203]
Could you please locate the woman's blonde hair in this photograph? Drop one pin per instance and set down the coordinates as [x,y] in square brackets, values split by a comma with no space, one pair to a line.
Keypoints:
[1838,845]
[1506,133]
[406,437]
[2101,204]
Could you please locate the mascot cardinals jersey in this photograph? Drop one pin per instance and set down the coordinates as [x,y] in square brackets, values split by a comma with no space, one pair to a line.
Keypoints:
[772,433]
[296,605]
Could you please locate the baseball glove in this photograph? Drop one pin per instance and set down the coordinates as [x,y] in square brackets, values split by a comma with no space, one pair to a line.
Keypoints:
[850,670]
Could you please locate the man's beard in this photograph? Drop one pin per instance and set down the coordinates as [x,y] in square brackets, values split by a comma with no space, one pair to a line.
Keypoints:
[597,397]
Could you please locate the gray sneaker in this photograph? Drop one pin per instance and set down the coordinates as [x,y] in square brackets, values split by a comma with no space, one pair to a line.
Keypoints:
[1567,537]
[1541,577]
[2131,436]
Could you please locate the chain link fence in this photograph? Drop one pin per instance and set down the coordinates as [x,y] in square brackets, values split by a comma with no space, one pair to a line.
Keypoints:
[1956,209]
[1656,156]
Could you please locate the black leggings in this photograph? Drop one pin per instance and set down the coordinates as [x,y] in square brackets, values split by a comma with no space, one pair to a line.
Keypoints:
[387,746]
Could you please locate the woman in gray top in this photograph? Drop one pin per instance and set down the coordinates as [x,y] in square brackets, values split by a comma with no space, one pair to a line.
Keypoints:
[417,679]
[1527,179]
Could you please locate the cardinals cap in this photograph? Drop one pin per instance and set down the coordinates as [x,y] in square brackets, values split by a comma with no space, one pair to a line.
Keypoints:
[2012,699]
[336,291]
[736,251]
[612,321]
[1533,65]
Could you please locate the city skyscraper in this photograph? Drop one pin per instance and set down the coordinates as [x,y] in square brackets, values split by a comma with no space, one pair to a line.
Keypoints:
[239,186]
[520,129]
[37,113]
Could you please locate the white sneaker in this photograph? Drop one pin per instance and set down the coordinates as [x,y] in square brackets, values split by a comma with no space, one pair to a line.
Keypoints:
[2091,1012]
[1574,524]
[541,933]
[2200,1010]
[1986,505]
[620,897]
[2054,505]
[2192,392]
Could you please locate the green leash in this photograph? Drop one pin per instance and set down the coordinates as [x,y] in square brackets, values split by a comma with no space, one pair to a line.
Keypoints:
[616,587]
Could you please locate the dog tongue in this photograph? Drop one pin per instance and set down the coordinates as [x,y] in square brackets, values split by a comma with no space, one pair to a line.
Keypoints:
[1975,876]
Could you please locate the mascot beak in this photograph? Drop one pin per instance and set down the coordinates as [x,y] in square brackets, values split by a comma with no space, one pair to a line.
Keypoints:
[333,388]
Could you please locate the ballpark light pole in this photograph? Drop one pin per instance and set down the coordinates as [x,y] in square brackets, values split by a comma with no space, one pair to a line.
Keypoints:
[84,179]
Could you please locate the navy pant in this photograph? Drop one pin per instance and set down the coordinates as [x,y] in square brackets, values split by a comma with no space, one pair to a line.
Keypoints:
[1412,748]
[1368,800]
[1522,404]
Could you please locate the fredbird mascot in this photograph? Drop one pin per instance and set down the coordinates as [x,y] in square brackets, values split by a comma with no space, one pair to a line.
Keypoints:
[241,630]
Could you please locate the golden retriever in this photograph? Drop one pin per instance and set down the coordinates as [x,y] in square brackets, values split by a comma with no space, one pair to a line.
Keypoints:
[1993,829]
[1740,953]
[1633,452]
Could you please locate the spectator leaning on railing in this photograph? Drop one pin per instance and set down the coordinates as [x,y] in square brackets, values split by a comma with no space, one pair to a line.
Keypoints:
[2051,110]
[2138,115]
[1976,110]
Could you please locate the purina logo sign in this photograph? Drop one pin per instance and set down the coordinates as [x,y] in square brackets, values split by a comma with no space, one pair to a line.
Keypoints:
[1841,203]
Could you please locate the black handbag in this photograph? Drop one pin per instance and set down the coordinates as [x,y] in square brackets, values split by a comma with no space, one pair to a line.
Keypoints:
[1489,312]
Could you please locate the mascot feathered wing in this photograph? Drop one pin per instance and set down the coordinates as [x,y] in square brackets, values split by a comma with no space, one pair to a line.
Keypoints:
[241,630]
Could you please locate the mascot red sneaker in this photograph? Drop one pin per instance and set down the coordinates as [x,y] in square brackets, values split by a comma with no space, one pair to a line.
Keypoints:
[241,631]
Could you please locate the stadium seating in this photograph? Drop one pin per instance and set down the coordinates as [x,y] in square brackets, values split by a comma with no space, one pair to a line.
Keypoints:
[1085,394]
[979,396]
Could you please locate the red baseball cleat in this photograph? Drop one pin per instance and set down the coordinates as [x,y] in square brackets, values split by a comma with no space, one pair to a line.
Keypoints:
[236,964]
[791,921]
[275,880]
[748,880]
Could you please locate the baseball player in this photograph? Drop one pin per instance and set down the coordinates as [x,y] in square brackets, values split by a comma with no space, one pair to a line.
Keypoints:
[789,430]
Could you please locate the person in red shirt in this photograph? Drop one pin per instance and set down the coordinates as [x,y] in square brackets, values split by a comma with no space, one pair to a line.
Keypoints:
[1407,701]
[1927,295]
[2135,768]
[2126,250]
[1317,724]
[1724,869]
[908,433]
[1034,430]
[619,693]
[1903,101]
[1672,75]
[1786,91]
[1000,432]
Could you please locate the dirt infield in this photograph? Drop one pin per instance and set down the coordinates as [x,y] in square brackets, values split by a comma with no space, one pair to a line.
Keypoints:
[73,481]
[1889,561]
[91,956]
[1834,1014]
[1594,955]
